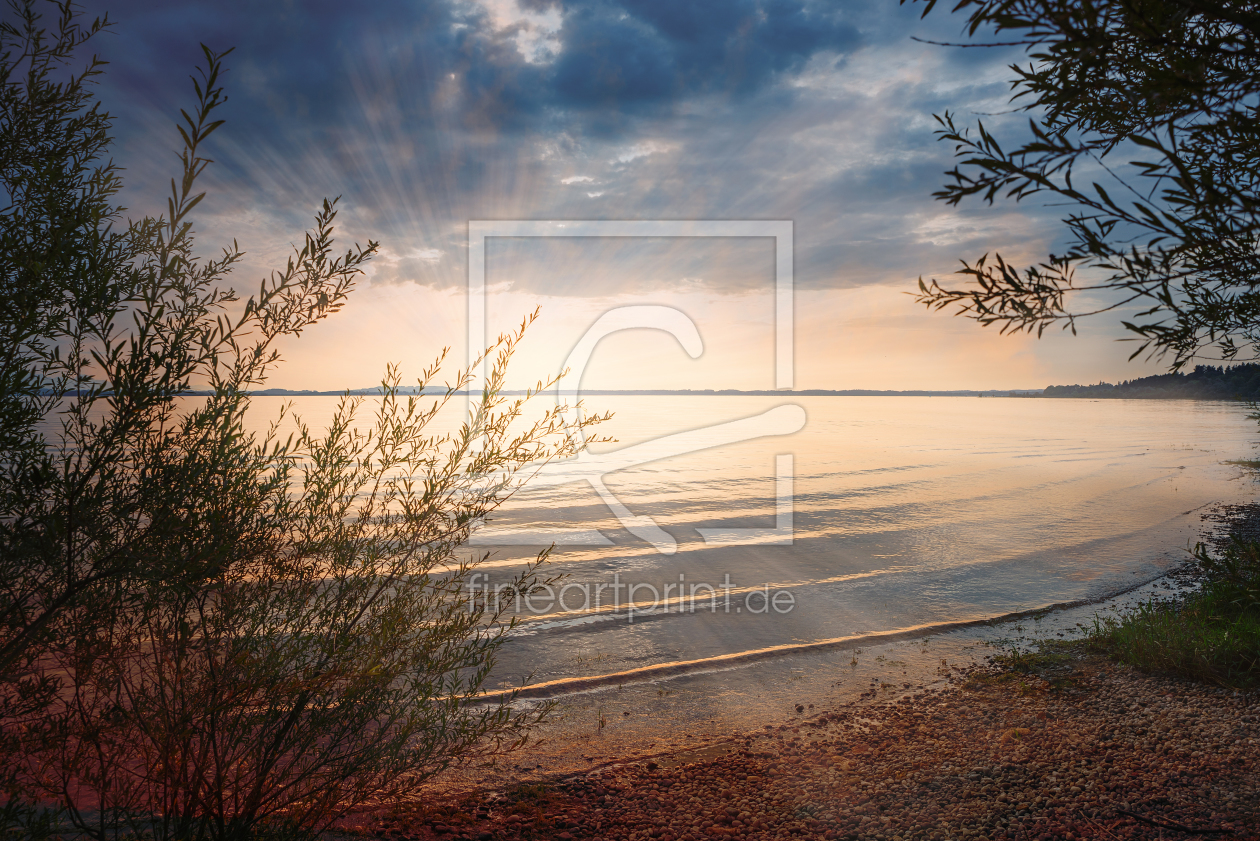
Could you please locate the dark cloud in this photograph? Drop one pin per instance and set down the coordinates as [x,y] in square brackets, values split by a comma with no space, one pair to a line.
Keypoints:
[615,55]
[610,60]
[427,113]
[293,65]
[293,62]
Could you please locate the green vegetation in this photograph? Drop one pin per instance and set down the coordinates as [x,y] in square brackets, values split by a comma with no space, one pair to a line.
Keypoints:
[1205,382]
[1249,463]
[1044,664]
[1211,635]
[1143,121]
[207,633]
[1048,654]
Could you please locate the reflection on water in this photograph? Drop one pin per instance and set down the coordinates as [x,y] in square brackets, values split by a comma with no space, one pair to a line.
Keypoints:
[905,512]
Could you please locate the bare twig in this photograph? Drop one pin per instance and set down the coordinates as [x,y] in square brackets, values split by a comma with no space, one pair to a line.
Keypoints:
[1093,822]
[1174,825]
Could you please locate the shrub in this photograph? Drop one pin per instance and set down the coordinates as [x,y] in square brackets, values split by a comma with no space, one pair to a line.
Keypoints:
[1234,575]
[210,633]
[1212,635]
[339,663]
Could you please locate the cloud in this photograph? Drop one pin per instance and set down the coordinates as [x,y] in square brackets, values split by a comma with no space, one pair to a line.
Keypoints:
[639,150]
[428,255]
[291,63]
[423,115]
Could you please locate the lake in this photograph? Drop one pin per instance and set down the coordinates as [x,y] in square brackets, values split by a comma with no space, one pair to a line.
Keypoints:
[720,529]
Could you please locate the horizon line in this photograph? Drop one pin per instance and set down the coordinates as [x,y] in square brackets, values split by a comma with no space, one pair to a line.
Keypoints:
[847,392]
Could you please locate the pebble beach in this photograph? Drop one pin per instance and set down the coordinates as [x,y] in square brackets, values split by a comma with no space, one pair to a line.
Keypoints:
[1083,748]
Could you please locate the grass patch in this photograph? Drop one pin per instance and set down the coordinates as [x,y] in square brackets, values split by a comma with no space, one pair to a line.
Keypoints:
[533,794]
[1048,655]
[1029,670]
[1253,464]
[1213,635]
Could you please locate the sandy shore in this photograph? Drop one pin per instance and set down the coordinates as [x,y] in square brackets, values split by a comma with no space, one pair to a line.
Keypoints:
[1085,749]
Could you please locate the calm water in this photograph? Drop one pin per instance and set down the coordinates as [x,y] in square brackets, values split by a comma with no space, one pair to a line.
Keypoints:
[878,515]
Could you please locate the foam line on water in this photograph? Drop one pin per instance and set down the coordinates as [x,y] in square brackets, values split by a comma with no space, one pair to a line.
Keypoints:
[573,685]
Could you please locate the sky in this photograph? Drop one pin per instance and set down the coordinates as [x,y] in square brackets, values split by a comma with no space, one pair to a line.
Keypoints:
[427,115]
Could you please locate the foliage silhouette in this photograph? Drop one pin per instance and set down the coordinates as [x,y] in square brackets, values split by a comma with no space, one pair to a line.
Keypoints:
[207,632]
[1170,85]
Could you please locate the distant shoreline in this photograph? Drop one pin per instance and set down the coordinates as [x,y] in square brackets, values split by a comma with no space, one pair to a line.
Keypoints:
[728,392]
[1233,383]
[1052,393]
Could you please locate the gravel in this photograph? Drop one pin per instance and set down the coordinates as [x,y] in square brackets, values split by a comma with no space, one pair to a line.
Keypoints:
[1092,750]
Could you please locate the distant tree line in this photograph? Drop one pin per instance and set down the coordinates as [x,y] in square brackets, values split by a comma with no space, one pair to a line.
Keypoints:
[1205,382]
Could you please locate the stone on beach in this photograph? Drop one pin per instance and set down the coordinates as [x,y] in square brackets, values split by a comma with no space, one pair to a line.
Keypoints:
[1100,752]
